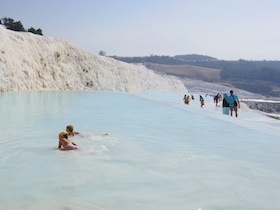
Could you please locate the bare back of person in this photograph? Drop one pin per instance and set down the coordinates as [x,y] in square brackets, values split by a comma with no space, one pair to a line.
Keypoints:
[66,144]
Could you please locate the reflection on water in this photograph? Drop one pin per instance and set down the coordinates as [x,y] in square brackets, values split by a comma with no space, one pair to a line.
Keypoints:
[159,154]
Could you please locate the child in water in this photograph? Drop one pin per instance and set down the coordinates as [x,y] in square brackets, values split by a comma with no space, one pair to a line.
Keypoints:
[64,143]
[70,130]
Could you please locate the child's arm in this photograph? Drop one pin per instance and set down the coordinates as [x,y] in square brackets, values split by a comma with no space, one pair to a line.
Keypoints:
[59,144]
[73,133]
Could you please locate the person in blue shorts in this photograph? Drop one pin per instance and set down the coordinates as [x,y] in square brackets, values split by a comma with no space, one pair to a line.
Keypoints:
[225,104]
[234,103]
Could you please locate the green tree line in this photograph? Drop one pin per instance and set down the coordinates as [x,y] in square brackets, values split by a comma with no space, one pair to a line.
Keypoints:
[253,70]
[10,24]
[242,69]
[167,60]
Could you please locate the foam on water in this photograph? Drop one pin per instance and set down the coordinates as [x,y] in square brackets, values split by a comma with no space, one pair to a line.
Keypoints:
[159,154]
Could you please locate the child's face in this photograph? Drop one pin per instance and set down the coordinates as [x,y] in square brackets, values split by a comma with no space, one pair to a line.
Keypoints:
[70,130]
[70,133]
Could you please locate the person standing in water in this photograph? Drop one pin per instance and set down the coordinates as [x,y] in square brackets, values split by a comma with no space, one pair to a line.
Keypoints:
[186,99]
[201,101]
[216,99]
[225,105]
[234,103]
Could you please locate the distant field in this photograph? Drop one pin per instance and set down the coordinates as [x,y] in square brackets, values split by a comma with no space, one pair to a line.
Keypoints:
[264,88]
[193,72]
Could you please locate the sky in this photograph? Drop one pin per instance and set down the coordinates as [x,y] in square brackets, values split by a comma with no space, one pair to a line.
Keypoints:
[228,30]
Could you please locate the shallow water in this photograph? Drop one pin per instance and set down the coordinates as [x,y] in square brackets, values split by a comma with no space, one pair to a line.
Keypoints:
[159,154]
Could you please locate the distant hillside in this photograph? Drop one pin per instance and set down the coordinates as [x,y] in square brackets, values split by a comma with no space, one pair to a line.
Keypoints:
[193,72]
[262,77]
[195,57]
[164,59]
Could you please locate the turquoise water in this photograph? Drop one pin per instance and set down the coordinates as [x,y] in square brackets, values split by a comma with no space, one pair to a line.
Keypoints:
[159,154]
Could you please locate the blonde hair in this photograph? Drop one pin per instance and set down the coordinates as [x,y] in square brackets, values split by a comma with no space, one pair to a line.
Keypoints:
[63,134]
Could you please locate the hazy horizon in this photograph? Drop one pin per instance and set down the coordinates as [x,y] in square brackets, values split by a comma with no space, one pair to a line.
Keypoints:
[191,54]
[223,30]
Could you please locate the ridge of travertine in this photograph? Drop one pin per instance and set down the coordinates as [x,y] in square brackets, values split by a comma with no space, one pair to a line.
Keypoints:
[38,63]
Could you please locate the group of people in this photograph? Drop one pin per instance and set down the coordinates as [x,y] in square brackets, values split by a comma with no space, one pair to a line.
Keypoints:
[66,144]
[230,103]
[187,99]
